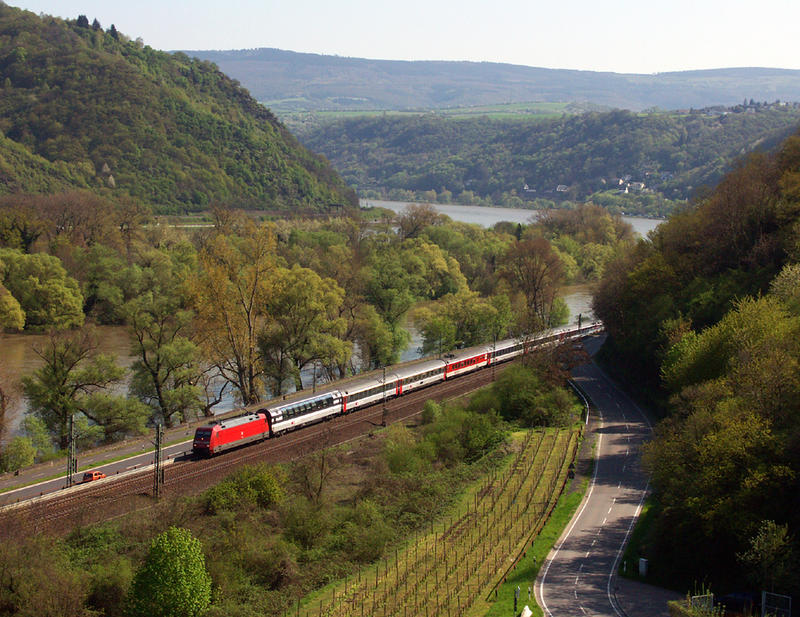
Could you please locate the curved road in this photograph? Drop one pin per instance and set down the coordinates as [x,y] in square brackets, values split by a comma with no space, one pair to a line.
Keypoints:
[579,576]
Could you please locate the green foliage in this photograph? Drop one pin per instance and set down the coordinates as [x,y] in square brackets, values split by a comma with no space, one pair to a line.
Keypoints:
[11,314]
[363,533]
[520,395]
[451,435]
[38,579]
[770,557]
[83,108]
[305,522]
[259,486]
[173,581]
[74,381]
[494,159]
[36,430]
[304,326]
[167,368]
[431,410]
[45,295]
[725,462]
[18,453]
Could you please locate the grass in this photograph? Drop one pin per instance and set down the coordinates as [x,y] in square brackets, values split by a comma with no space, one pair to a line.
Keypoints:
[637,545]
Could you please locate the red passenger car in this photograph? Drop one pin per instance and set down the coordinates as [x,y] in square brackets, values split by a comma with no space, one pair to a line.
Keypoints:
[230,433]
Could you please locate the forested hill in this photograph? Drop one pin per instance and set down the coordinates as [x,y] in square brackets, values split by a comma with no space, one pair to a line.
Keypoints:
[84,107]
[709,309]
[287,80]
[569,157]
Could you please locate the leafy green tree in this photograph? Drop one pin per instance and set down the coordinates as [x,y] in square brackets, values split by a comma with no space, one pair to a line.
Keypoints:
[304,326]
[438,332]
[107,280]
[19,453]
[173,581]
[48,297]
[74,381]
[521,395]
[35,429]
[11,314]
[166,371]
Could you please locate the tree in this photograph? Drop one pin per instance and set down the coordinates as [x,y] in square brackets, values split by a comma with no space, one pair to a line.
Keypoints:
[75,381]
[166,371]
[438,331]
[11,314]
[45,293]
[173,581]
[230,294]
[533,269]
[769,557]
[304,326]
[416,217]
[83,21]
[20,452]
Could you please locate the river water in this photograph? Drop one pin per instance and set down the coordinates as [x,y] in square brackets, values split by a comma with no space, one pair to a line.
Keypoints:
[486,217]
[18,351]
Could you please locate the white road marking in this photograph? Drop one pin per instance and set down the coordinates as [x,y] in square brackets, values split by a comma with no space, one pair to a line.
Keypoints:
[546,609]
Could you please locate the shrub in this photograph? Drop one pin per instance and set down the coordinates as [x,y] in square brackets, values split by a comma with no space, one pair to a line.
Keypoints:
[431,410]
[305,523]
[363,534]
[257,485]
[173,581]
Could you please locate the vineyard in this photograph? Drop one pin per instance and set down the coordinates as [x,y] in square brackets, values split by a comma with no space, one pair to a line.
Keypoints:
[462,559]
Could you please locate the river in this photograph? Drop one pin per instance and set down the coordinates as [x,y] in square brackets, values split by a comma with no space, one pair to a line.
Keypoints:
[18,355]
[486,217]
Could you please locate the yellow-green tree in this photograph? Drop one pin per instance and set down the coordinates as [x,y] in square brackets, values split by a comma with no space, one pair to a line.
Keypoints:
[230,294]
[304,326]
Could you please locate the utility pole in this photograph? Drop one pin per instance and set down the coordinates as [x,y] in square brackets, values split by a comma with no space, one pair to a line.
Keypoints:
[72,459]
[158,478]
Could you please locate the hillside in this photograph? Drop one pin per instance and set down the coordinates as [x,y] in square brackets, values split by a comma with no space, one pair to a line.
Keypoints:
[81,107]
[290,81]
[705,316]
[485,159]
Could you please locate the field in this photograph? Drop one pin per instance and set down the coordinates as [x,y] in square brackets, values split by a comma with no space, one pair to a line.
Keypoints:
[524,112]
[459,562]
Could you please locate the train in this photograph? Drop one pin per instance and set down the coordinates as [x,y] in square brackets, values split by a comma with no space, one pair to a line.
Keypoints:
[359,392]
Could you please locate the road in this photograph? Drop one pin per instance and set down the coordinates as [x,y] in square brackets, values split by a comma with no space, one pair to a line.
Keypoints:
[579,576]
[48,487]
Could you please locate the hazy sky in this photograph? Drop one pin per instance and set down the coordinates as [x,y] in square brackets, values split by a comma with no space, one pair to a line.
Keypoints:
[625,36]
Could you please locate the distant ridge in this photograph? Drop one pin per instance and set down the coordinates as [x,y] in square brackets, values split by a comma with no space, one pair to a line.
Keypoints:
[291,81]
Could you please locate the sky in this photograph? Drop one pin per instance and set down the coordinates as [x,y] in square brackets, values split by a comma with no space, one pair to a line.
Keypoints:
[622,36]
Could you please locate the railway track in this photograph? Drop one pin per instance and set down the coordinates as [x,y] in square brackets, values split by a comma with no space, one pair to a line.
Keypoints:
[188,476]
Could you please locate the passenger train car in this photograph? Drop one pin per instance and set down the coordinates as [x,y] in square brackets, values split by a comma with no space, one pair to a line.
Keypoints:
[359,392]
